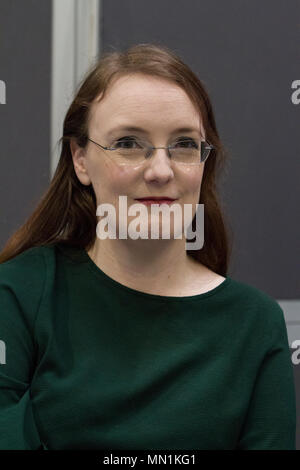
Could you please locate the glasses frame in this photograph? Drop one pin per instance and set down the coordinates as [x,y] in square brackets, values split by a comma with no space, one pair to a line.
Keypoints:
[151,148]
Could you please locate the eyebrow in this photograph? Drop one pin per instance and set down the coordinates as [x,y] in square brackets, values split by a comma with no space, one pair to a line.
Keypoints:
[140,129]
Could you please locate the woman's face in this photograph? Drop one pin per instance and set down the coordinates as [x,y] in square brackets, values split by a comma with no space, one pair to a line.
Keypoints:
[159,107]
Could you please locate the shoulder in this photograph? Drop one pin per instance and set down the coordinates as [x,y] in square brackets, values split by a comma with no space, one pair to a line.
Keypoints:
[255,303]
[23,280]
[30,262]
[37,267]
[252,294]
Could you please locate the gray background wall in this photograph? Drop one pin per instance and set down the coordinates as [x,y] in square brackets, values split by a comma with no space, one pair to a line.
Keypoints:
[25,59]
[247,55]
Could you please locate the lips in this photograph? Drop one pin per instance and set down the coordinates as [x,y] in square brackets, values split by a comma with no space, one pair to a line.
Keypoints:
[155,200]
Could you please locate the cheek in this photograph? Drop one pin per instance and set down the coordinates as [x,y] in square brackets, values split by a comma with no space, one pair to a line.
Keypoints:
[110,180]
[193,179]
[120,179]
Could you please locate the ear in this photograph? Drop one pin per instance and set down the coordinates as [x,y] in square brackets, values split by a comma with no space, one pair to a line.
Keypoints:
[79,162]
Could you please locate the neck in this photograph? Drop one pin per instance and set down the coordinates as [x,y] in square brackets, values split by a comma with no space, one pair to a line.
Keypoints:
[146,265]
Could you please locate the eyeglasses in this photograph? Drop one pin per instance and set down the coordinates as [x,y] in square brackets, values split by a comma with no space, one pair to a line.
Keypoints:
[132,151]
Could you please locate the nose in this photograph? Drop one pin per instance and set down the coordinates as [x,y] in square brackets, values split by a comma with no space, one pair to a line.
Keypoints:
[159,165]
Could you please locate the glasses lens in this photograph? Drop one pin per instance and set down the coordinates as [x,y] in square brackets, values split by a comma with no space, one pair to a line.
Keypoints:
[186,151]
[129,151]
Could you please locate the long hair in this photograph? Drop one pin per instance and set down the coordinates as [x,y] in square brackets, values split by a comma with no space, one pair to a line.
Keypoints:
[66,212]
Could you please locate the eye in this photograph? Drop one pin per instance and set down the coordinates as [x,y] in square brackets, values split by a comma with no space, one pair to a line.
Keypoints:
[126,142]
[185,142]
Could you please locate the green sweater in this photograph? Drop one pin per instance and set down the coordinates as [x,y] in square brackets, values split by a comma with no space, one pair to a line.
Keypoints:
[88,363]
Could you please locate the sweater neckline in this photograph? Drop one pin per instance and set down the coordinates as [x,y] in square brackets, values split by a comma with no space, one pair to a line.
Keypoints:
[82,255]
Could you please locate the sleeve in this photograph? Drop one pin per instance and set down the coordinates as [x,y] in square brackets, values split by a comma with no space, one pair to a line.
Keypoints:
[271,417]
[18,294]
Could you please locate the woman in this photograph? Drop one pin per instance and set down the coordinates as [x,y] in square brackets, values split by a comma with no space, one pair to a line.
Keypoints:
[137,343]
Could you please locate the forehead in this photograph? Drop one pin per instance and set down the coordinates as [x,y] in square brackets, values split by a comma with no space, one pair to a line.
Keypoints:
[144,100]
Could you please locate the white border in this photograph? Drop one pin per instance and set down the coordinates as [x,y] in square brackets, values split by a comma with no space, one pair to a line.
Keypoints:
[75,46]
